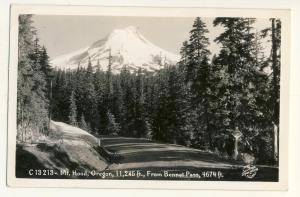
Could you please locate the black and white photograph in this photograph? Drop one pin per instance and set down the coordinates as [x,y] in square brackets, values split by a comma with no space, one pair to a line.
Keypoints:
[113,97]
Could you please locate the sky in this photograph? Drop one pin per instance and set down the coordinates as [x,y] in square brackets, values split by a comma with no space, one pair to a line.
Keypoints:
[65,34]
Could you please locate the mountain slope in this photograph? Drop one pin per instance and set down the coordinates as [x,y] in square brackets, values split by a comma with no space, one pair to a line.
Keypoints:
[127,47]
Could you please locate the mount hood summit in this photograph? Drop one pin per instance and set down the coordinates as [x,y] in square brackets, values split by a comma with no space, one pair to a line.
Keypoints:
[126,47]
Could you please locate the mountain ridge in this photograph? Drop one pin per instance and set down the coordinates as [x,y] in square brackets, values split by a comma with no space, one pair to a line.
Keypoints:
[128,47]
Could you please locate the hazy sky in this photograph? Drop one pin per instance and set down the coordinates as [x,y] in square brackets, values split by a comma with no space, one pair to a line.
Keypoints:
[64,34]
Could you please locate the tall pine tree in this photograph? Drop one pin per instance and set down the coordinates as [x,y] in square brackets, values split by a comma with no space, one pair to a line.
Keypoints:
[240,79]
[73,110]
[196,67]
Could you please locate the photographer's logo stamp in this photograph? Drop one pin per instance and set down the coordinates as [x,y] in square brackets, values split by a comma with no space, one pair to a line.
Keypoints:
[249,171]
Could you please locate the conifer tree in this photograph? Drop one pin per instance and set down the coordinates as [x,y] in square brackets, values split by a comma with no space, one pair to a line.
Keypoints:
[274,31]
[113,127]
[140,115]
[99,84]
[73,110]
[44,61]
[272,101]
[109,75]
[241,79]
[83,124]
[61,96]
[178,107]
[160,123]
[128,103]
[88,97]
[196,68]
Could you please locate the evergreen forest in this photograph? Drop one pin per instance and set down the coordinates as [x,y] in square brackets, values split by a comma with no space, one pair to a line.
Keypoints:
[199,102]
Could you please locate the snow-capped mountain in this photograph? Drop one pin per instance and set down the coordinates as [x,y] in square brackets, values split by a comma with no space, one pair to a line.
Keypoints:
[126,46]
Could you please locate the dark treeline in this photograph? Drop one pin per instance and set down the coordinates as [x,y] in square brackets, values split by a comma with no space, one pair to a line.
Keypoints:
[199,102]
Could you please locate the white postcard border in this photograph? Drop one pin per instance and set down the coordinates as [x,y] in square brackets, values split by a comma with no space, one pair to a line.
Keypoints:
[153,12]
